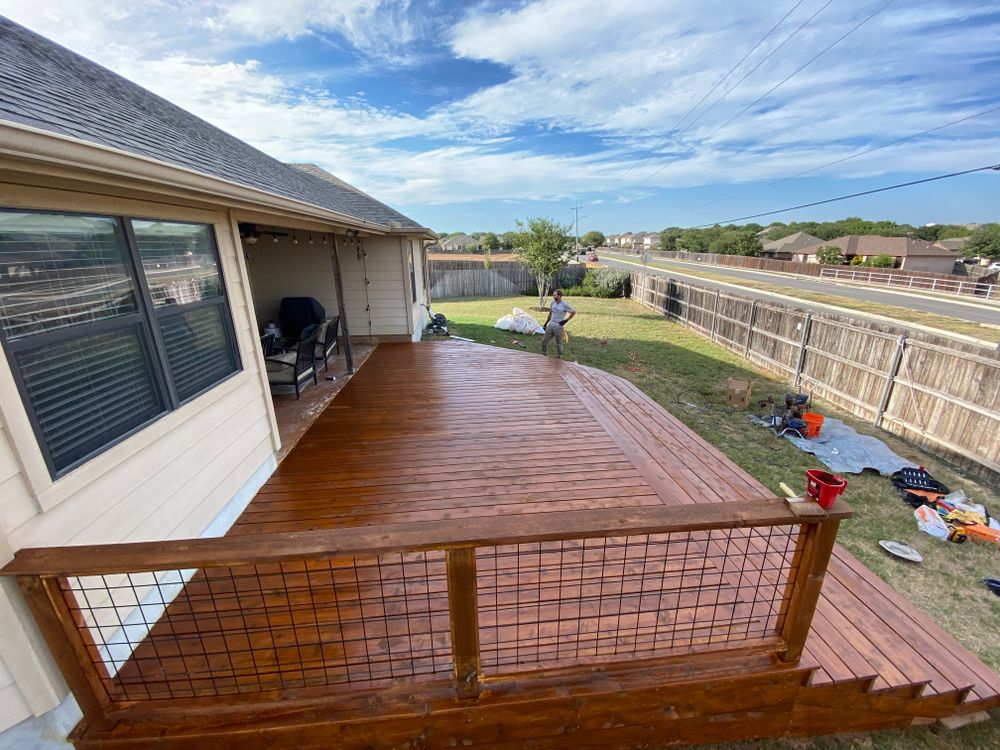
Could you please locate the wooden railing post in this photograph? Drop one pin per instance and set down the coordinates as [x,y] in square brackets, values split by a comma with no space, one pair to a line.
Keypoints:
[463,611]
[62,634]
[753,318]
[817,549]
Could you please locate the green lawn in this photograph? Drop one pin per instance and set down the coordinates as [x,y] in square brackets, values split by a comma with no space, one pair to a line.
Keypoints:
[686,373]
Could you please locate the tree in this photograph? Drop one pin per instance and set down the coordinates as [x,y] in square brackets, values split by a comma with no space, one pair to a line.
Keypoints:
[593,238]
[544,249]
[736,242]
[983,242]
[490,243]
[669,237]
[830,255]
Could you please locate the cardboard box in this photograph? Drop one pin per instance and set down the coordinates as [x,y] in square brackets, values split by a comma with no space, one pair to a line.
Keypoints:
[738,392]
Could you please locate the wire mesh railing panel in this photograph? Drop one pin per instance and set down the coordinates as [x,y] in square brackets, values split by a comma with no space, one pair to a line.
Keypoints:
[572,601]
[251,628]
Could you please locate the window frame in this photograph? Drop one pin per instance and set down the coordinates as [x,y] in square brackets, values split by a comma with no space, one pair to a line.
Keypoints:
[145,319]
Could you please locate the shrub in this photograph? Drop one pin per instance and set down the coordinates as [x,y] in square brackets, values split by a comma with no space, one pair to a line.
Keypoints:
[830,255]
[605,282]
[858,260]
[881,261]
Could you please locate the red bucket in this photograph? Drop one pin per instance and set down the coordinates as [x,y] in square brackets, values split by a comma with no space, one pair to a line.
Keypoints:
[824,487]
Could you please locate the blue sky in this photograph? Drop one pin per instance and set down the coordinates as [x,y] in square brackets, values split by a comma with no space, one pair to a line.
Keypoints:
[468,116]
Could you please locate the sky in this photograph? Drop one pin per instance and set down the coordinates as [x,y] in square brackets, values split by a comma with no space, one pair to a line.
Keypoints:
[645,113]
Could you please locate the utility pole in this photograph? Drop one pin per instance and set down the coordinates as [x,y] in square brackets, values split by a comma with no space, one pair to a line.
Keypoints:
[577,210]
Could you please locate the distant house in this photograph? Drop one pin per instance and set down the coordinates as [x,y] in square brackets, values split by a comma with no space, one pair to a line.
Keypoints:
[786,247]
[956,244]
[460,243]
[909,254]
[650,240]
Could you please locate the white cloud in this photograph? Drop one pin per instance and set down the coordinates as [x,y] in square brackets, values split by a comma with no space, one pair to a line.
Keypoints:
[619,74]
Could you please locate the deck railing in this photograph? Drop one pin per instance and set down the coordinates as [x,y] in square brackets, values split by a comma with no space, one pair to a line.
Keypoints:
[153,629]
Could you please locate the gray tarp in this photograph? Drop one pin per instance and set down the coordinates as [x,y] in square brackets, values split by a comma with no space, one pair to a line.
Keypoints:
[844,451]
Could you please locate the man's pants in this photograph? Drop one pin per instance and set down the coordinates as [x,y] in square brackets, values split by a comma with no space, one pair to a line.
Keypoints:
[553,331]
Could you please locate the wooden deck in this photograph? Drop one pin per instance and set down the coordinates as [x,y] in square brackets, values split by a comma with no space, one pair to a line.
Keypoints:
[448,431]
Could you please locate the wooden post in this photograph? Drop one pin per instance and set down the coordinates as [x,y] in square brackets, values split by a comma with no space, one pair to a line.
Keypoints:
[463,610]
[339,284]
[715,315]
[817,549]
[803,342]
[753,317]
[890,378]
[59,628]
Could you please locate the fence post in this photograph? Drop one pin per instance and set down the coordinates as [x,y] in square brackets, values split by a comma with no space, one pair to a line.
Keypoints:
[463,611]
[687,305]
[68,645]
[817,548]
[715,315]
[934,285]
[960,285]
[802,349]
[753,317]
[890,378]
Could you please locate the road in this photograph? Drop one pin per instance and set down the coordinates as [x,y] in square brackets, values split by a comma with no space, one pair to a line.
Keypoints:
[973,312]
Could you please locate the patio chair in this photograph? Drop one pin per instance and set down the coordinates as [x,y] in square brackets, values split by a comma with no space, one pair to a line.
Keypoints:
[297,313]
[291,368]
[326,340]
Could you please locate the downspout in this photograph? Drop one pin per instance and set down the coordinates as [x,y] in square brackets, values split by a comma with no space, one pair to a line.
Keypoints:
[339,286]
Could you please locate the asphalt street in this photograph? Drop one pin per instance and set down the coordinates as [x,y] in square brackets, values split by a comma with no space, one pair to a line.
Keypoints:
[976,313]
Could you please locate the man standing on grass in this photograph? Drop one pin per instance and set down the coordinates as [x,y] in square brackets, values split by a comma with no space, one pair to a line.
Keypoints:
[554,324]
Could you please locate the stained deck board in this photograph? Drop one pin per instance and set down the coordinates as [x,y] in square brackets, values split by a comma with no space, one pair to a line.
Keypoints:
[445,430]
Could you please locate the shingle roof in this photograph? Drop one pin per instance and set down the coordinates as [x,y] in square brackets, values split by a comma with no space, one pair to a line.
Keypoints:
[871,244]
[51,88]
[792,242]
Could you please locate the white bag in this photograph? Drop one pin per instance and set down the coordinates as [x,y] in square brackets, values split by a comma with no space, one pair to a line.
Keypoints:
[519,322]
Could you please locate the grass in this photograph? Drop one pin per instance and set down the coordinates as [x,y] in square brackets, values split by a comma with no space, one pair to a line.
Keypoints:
[902,314]
[686,373]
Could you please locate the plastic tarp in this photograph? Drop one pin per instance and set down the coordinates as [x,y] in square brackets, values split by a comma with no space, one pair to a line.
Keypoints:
[844,451]
[519,322]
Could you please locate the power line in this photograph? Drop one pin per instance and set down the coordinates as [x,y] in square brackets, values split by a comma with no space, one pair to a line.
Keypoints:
[770,91]
[828,164]
[673,130]
[852,195]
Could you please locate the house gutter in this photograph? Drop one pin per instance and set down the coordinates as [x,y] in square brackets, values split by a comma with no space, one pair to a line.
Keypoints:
[38,145]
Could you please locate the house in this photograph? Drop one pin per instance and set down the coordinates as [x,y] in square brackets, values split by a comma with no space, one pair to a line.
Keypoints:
[142,250]
[460,243]
[956,244]
[785,248]
[650,240]
[909,254]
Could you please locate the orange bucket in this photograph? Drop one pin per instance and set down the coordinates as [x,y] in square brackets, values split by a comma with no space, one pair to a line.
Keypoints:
[824,487]
[814,423]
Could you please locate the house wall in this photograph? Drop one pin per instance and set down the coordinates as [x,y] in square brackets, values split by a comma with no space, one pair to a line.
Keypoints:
[376,286]
[284,269]
[184,475]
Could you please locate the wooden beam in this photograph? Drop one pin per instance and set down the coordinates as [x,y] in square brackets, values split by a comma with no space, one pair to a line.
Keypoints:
[484,531]
[463,610]
[65,639]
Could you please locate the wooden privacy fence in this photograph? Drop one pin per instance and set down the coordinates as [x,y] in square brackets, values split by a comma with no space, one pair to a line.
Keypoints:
[505,278]
[945,398]
[151,631]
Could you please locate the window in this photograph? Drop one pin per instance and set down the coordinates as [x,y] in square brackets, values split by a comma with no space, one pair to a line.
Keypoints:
[108,323]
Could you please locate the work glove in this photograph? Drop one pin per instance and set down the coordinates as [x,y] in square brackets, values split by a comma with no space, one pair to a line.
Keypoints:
[562,322]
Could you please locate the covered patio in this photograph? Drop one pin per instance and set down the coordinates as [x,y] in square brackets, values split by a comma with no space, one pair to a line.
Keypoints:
[477,546]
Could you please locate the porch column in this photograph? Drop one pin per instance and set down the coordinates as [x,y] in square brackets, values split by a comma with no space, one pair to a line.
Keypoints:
[341,311]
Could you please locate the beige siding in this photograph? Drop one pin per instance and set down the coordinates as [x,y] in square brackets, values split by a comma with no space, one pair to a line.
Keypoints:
[283,269]
[169,480]
[388,297]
